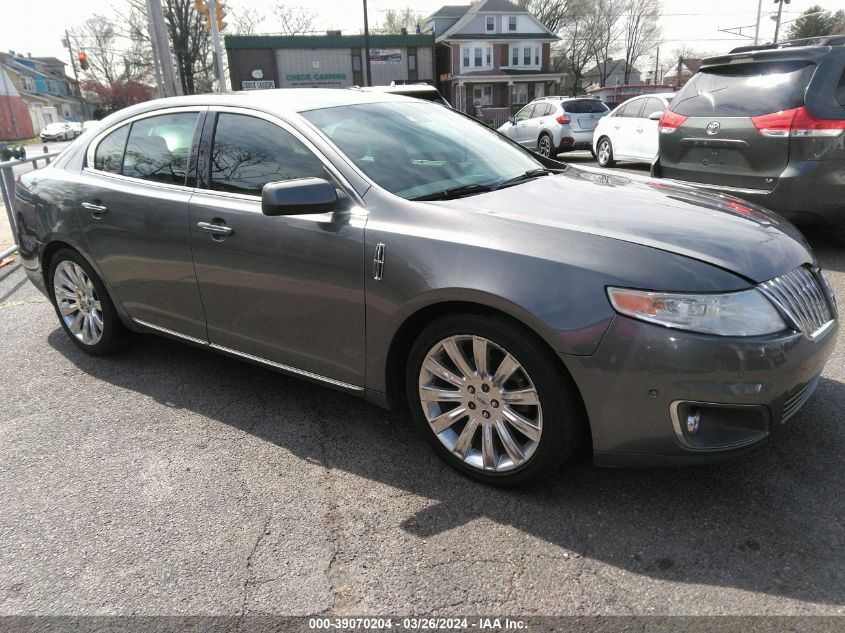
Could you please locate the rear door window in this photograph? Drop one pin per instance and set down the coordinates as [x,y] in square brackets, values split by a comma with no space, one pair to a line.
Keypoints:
[745,90]
[632,110]
[159,148]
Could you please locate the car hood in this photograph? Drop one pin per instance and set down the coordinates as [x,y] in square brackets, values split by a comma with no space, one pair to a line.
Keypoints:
[732,234]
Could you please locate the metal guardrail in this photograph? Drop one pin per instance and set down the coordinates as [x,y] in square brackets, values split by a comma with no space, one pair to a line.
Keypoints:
[7,188]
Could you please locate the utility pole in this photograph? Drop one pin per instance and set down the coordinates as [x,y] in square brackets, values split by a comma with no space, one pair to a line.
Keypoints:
[777,24]
[757,26]
[678,78]
[215,40]
[72,60]
[160,41]
[367,45]
[657,66]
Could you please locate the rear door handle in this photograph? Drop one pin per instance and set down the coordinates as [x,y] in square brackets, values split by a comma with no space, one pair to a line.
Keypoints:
[217,229]
[96,210]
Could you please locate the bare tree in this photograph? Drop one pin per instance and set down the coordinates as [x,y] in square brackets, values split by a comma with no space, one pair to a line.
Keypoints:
[606,34]
[245,20]
[553,13]
[295,20]
[404,21]
[641,30]
[575,49]
[97,37]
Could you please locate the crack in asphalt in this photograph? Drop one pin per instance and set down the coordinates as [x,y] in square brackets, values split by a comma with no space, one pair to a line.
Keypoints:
[248,580]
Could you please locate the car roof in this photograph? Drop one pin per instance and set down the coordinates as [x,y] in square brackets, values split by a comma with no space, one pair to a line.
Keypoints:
[278,101]
[399,88]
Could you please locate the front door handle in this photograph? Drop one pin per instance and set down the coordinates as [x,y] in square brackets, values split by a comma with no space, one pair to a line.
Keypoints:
[217,229]
[97,210]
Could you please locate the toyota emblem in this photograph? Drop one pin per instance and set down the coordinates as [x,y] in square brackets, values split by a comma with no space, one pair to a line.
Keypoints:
[713,127]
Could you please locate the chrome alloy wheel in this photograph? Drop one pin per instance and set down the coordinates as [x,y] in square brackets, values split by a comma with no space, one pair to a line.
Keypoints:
[480,403]
[78,302]
[604,152]
[544,147]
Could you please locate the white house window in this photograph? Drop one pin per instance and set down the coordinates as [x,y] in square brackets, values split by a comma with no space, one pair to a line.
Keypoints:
[465,56]
[511,23]
[526,56]
[482,95]
[515,56]
[478,59]
[520,93]
[27,83]
[489,56]
[491,23]
[536,55]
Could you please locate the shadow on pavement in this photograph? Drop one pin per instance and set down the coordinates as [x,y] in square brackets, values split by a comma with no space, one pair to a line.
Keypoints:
[771,522]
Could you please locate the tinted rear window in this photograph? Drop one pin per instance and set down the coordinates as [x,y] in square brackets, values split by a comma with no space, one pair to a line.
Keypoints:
[585,106]
[745,89]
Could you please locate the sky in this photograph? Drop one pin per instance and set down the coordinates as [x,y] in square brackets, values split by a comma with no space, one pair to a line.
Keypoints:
[694,23]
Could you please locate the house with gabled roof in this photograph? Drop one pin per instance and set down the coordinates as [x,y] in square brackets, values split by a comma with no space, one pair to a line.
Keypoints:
[499,57]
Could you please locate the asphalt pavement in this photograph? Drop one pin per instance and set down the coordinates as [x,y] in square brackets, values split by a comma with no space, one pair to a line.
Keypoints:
[167,480]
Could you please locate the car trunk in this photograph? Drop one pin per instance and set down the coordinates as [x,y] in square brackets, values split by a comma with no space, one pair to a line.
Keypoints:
[717,130]
[585,113]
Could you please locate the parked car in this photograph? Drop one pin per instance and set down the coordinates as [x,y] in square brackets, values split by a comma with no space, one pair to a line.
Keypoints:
[58,132]
[629,132]
[767,124]
[552,125]
[516,304]
[417,91]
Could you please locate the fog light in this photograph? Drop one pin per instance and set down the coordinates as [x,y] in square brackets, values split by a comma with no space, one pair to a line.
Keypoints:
[712,426]
[693,418]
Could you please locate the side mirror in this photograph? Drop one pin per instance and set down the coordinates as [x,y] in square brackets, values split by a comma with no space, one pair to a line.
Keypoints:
[512,119]
[655,116]
[298,197]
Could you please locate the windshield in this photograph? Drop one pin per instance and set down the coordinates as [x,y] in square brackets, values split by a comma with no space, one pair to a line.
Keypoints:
[416,149]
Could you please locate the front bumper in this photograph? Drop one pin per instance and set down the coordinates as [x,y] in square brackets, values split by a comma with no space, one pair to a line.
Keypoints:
[640,371]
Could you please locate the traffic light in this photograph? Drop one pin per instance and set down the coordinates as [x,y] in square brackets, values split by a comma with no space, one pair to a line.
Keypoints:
[219,12]
[83,60]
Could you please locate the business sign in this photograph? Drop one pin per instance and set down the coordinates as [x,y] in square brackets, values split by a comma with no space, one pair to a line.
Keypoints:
[258,85]
[385,55]
[315,79]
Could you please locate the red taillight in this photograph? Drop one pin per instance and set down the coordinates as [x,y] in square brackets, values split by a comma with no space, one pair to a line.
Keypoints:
[670,122]
[797,122]
[563,119]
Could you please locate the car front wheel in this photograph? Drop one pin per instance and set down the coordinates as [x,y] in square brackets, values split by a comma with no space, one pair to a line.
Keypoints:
[544,145]
[492,400]
[604,153]
[82,304]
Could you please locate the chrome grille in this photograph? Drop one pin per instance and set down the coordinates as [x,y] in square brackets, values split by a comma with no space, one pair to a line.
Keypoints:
[800,294]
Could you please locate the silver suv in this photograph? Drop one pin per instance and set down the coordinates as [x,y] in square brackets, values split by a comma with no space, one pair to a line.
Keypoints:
[556,124]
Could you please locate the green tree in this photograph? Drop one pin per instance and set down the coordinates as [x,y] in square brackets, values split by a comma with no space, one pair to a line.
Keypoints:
[816,22]
[396,22]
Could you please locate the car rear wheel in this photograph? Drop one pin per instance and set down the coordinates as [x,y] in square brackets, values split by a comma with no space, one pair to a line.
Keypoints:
[492,400]
[544,145]
[604,155]
[82,304]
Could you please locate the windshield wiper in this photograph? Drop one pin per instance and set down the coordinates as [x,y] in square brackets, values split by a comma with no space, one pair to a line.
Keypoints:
[528,175]
[456,192]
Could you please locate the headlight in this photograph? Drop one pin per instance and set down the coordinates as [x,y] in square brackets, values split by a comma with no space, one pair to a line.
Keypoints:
[745,313]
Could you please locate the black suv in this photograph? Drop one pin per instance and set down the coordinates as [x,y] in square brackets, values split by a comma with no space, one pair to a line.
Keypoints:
[767,124]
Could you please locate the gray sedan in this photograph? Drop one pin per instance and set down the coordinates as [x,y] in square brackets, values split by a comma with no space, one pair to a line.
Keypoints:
[398,250]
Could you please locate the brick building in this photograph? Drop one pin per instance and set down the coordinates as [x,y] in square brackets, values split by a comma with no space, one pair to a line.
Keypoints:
[493,57]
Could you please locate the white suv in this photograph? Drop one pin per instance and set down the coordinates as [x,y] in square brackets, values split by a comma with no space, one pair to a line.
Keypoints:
[556,124]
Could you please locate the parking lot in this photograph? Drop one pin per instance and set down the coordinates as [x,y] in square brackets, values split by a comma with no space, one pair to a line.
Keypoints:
[167,480]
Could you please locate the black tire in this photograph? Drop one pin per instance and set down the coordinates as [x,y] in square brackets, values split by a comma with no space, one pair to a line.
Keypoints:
[563,414]
[609,161]
[114,334]
[545,146]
